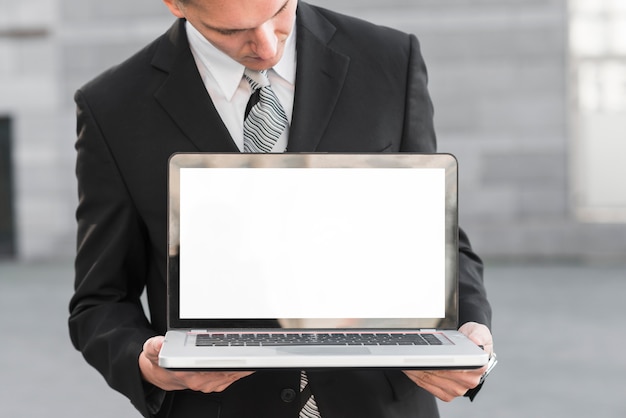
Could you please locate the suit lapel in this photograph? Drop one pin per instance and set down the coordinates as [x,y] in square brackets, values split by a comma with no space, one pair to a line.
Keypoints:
[184,97]
[321,73]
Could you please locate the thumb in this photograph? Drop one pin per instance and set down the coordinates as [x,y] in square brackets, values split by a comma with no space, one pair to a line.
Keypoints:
[152,347]
[479,334]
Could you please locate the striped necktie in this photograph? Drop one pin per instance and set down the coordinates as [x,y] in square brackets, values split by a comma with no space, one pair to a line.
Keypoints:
[265,119]
[308,406]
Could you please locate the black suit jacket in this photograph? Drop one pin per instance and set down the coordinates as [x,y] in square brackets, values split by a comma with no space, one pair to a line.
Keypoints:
[359,88]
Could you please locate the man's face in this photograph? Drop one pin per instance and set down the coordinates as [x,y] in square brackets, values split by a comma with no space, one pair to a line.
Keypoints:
[251,32]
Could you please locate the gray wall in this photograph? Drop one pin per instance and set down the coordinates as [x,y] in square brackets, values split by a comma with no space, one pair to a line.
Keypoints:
[498,78]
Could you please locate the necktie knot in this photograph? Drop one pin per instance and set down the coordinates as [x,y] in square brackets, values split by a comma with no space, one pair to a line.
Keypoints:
[257,79]
[265,119]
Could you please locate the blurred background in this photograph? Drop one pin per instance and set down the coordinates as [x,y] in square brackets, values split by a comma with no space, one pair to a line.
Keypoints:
[530,95]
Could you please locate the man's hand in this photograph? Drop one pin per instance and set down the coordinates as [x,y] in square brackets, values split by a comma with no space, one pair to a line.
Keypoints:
[449,384]
[168,380]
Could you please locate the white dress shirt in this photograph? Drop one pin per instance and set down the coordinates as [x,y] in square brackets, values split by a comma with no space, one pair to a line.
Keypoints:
[230,92]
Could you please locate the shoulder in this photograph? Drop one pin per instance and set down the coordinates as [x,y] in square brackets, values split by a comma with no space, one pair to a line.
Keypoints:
[351,28]
[354,37]
[119,76]
[136,72]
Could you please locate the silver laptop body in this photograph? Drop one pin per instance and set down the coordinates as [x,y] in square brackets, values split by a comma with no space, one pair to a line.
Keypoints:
[272,257]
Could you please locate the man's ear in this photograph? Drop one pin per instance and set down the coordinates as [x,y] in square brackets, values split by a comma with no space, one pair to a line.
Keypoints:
[174,7]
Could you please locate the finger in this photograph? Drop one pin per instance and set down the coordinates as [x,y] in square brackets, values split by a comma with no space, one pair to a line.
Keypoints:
[446,385]
[461,380]
[230,378]
[152,347]
[450,385]
[209,382]
[479,334]
[489,349]
[224,384]
[433,384]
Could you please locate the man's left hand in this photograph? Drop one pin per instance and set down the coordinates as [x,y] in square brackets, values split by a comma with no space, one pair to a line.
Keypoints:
[450,384]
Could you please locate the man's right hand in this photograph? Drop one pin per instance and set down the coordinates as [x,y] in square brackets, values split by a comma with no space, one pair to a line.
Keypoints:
[168,380]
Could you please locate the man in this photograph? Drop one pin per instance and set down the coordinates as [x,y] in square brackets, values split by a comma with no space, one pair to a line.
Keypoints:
[345,86]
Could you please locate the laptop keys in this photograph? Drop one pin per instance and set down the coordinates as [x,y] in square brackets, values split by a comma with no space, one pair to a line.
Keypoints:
[286,339]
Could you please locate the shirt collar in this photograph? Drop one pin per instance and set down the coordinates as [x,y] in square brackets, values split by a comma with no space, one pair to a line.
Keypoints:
[227,72]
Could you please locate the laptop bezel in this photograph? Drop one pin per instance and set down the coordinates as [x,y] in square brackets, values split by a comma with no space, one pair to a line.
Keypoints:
[314,160]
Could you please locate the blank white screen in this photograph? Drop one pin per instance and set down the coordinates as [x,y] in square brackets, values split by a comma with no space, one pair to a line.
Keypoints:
[312,243]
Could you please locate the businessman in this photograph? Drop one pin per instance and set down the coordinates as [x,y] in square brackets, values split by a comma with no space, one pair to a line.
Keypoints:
[336,84]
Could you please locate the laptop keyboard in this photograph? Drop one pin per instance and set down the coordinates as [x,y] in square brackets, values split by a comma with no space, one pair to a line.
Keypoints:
[290,338]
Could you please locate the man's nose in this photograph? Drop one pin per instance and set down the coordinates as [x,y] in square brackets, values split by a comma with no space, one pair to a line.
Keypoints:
[265,42]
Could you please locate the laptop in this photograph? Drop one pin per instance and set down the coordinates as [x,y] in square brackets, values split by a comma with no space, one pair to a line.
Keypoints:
[311,261]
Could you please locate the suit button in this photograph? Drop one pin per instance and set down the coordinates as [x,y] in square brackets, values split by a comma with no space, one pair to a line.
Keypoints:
[287,395]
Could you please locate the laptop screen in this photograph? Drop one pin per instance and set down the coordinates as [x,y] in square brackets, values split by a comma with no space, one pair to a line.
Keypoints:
[332,240]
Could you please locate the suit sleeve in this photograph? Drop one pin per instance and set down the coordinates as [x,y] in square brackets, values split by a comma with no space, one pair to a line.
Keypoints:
[419,136]
[107,322]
